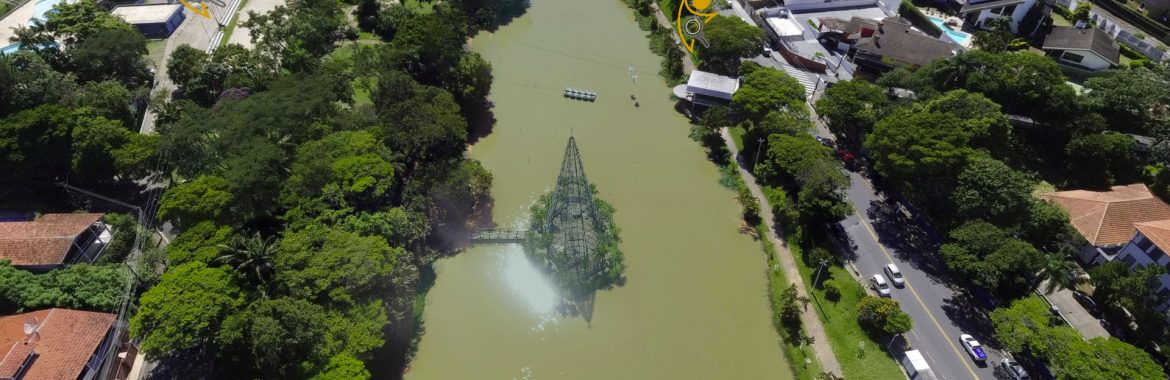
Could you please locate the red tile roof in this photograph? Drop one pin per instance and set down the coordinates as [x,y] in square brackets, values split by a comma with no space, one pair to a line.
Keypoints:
[44,241]
[1157,231]
[67,339]
[1108,217]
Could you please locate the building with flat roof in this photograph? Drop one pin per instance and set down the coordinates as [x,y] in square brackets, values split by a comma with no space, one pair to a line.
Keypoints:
[152,20]
[708,89]
[62,344]
[53,240]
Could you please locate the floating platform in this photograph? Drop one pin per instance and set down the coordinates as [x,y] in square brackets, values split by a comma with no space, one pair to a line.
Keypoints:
[573,93]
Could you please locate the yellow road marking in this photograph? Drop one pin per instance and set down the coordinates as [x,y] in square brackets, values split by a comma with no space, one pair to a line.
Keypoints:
[938,326]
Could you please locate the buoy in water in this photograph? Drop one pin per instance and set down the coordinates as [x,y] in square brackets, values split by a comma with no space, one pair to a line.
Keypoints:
[636,104]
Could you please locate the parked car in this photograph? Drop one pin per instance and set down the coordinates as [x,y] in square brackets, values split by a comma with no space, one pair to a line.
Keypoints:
[768,51]
[825,141]
[879,283]
[1088,303]
[1009,369]
[895,275]
[973,347]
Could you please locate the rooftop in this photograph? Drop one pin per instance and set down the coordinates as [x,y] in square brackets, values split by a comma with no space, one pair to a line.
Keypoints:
[44,241]
[146,14]
[897,40]
[711,84]
[1157,231]
[64,342]
[1093,39]
[972,6]
[1108,217]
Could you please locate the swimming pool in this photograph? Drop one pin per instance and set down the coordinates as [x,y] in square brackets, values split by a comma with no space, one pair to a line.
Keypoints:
[959,37]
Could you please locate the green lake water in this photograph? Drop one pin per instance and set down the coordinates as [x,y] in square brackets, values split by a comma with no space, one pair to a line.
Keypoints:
[695,302]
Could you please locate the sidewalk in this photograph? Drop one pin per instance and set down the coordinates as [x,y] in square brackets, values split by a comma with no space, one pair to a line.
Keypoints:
[664,22]
[808,317]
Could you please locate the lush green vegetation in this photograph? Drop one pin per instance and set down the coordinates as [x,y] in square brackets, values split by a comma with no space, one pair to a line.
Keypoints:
[983,169]
[81,286]
[309,210]
[1028,326]
[661,40]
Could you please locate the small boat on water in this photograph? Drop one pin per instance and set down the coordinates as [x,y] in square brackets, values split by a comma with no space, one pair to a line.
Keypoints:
[573,93]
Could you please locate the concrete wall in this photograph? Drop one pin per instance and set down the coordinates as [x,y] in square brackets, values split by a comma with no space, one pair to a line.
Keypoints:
[804,5]
[1091,60]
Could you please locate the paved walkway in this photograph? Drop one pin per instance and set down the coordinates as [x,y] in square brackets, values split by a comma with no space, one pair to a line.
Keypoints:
[664,22]
[243,36]
[1073,313]
[812,322]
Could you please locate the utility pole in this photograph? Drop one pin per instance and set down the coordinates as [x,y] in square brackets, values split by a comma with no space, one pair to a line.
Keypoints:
[758,148]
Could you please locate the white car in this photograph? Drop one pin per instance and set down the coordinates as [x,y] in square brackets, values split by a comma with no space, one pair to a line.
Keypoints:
[1011,370]
[879,283]
[895,275]
[973,347]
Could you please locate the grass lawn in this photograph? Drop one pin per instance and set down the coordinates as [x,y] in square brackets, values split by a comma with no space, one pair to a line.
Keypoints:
[156,51]
[801,359]
[231,26]
[1059,20]
[737,133]
[845,334]
[419,6]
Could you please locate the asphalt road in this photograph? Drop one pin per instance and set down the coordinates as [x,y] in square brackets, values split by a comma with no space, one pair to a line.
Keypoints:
[881,234]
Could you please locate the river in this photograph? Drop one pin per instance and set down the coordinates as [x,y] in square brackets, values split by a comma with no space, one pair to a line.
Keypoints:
[695,302]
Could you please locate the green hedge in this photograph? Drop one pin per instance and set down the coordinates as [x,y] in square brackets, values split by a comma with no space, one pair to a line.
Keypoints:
[918,19]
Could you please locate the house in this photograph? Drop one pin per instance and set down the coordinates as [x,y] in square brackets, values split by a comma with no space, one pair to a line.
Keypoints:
[806,5]
[708,89]
[152,20]
[53,240]
[978,12]
[880,46]
[1107,219]
[1156,9]
[1148,247]
[1087,49]
[61,344]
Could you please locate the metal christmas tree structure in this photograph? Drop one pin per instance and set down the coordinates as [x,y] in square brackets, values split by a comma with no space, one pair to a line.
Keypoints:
[572,236]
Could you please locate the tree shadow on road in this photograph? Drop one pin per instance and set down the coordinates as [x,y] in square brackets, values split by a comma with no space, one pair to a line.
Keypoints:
[966,314]
[908,242]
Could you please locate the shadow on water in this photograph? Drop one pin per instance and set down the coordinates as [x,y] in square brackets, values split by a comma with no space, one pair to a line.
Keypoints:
[480,121]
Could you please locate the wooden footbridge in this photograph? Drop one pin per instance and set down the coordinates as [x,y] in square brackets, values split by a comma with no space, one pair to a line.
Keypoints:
[498,236]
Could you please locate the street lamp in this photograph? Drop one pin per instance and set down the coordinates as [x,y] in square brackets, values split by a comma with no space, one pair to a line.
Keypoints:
[758,148]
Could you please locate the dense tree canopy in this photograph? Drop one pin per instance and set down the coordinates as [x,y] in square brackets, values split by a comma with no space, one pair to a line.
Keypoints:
[853,107]
[729,39]
[991,258]
[81,286]
[765,90]
[185,310]
[883,314]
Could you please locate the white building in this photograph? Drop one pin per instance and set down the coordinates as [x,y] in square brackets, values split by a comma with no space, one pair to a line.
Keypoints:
[1148,247]
[1088,49]
[708,89]
[976,13]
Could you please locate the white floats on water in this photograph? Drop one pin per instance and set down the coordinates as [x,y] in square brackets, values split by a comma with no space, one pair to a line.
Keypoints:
[573,93]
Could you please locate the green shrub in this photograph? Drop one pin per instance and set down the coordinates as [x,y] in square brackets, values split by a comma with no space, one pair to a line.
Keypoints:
[832,290]
[1061,10]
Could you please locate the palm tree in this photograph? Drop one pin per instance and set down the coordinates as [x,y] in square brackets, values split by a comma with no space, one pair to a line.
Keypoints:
[251,257]
[1056,269]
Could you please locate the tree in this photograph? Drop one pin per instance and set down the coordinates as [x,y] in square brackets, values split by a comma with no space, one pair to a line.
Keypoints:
[729,39]
[252,259]
[1058,270]
[300,34]
[990,190]
[1127,98]
[1048,229]
[470,80]
[185,309]
[1102,160]
[707,131]
[333,267]
[202,199]
[137,158]
[286,335]
[185,64]
[111,54]
[94,141]
[108,99]
[32,142]
[352,163]
[853,107]
[201,243]
[1108,358]
[991,258]
[1024,83]
[80,286]
[29,81]
[452,193]
[343,367]
[821,198]
[76,21]
[765,90]
[1116,287]
[883,314]
[1081,13]
[423,127]
[997,36]
[427,45]
[1026,326]
[790,157]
